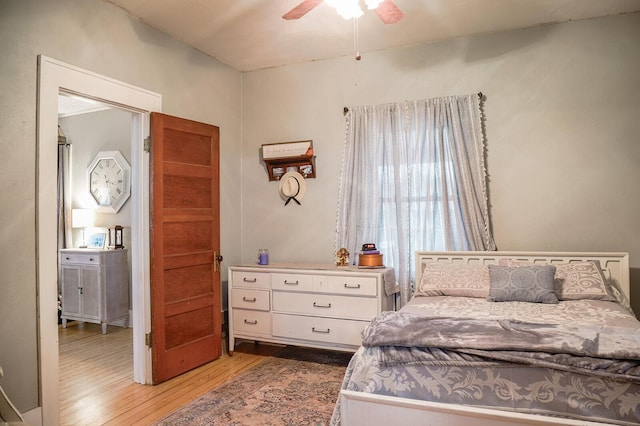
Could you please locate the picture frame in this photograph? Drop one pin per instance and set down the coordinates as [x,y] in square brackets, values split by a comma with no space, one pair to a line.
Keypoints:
[97,240]
[282,150]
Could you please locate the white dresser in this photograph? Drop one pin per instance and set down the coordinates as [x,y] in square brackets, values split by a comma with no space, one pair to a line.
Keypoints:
[95,286]
[319,306]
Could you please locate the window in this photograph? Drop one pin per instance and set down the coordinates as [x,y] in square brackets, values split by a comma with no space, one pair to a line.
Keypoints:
[413,179]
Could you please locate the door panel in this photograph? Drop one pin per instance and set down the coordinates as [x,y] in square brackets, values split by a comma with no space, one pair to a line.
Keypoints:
[185,236]
[71,290]
[90,295]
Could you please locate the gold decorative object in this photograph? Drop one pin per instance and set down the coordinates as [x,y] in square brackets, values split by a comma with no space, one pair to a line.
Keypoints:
[342,257]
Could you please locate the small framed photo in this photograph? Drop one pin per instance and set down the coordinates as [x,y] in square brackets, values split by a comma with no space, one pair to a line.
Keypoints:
[97,241]
[278,172]
[306,170]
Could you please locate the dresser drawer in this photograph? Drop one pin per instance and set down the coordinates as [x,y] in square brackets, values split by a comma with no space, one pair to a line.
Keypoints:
[354,285]
[250,299]
[80,258]
[253,322]
[294,282]
[327,305]
[328,330]
[250,279]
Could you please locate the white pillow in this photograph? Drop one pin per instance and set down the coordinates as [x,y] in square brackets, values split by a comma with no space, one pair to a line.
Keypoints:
[452,279]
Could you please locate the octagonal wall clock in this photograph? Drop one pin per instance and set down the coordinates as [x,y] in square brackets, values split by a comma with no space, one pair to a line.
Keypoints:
[108,178]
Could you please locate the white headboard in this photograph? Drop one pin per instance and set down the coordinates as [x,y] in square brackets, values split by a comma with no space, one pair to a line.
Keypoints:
[614,265]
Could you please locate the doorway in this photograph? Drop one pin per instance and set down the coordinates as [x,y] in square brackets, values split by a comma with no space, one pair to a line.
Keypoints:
[55,76]
[87,128]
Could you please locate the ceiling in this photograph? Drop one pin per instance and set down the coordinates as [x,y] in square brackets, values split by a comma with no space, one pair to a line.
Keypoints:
[69,105]
[251,34]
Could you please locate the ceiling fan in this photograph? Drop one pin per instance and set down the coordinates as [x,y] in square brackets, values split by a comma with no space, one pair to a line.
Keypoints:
[387,10]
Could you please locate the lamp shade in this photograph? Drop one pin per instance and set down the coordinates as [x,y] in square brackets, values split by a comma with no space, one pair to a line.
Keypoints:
[82,218]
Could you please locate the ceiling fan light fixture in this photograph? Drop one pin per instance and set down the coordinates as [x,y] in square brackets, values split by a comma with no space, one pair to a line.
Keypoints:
[348,9]
[387,10]
[373,4]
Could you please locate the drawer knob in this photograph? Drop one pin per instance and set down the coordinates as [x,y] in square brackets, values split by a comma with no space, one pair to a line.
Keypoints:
[318,305]
[254,322]
[249,280]
[248,299]
[347,285]
[325,331]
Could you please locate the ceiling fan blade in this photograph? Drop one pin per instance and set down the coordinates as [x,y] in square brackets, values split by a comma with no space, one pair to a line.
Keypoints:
[302,9]
[389,12]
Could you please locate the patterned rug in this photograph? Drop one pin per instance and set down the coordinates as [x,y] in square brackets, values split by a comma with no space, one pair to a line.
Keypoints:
[296,386]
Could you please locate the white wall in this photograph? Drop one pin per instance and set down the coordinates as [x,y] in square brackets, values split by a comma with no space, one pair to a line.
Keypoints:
[108,130]
[99,37]
[562,108]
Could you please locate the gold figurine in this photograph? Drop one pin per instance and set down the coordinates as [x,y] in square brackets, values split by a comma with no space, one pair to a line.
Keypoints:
[342,257]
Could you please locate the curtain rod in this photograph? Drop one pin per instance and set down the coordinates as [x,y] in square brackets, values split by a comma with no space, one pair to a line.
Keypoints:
[345,110]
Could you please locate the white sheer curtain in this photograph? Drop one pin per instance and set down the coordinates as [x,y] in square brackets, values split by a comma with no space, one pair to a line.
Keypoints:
[414,178]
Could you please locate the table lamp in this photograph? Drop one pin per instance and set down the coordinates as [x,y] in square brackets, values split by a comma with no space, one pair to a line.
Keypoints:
[82,218]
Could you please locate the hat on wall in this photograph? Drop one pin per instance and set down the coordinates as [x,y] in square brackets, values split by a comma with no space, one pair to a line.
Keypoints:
[292,187]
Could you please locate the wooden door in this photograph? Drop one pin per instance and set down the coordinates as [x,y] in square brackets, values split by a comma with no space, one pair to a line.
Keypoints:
[186,329]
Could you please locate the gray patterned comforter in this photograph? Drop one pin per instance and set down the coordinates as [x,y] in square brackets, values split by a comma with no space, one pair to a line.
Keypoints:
[411,330]
[577,359]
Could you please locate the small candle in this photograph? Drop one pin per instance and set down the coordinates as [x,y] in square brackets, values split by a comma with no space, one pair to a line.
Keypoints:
[263,257]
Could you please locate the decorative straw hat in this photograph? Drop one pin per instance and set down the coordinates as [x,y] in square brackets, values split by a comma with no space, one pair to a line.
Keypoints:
[292,187]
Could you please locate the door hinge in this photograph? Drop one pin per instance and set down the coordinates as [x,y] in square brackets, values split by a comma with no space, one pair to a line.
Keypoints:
[147,339]
[147,144]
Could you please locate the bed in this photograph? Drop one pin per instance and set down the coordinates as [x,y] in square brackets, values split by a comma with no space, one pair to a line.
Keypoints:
[501,338]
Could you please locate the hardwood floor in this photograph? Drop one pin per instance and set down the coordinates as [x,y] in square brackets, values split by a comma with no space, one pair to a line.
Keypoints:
[96,378]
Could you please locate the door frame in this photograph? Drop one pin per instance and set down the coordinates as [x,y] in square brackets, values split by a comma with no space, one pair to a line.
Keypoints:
[54,77]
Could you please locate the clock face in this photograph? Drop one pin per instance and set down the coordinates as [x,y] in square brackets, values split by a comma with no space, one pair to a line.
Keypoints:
[106,181]
[108,176]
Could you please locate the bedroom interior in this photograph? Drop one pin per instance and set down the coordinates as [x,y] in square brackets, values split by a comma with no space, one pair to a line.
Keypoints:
[558,119]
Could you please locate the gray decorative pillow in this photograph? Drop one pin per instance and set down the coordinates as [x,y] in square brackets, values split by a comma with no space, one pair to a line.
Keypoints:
[522,284]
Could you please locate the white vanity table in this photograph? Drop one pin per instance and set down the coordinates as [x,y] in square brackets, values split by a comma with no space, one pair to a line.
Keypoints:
[95,286]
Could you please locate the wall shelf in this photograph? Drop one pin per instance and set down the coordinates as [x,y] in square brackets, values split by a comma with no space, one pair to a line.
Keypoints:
[281,158]
[277,167]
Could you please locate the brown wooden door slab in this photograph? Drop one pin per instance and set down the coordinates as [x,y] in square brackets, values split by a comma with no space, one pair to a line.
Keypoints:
[185,239]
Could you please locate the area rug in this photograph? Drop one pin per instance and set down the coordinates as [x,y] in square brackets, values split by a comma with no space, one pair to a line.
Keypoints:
[296,386]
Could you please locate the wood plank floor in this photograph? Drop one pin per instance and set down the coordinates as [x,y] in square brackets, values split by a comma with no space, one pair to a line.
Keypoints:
[96,378]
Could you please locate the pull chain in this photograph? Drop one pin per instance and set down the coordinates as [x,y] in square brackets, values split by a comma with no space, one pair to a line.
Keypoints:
[355,39]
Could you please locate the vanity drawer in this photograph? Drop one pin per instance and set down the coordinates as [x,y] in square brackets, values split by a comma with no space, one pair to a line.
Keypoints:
[250,299]
[328,330]
[327,305]
[252,322]
[80,258]
[354,285]
[250,279]
[293,282]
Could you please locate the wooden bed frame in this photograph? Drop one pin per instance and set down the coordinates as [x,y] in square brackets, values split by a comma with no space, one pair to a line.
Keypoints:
[359,408]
